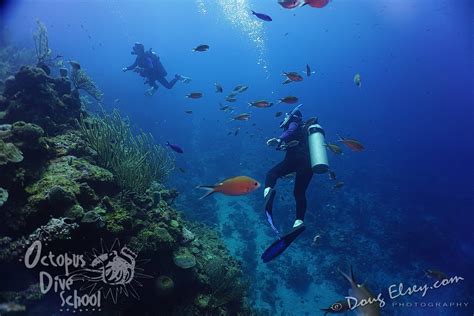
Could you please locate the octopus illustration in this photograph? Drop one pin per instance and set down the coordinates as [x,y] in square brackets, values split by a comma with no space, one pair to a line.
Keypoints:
[117,268]
[113,271]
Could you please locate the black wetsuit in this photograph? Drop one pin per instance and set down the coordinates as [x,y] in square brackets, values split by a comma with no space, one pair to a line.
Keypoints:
[153,70]
[297,159]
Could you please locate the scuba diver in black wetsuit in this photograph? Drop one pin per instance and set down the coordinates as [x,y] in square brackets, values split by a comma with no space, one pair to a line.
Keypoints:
[148,65]
[305,146]
[297,159]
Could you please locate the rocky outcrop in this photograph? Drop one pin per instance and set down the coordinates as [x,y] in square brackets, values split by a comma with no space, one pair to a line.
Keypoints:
[53,190]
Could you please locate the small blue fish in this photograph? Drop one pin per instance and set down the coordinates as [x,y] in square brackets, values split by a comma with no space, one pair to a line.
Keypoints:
[175,147]
[262,16]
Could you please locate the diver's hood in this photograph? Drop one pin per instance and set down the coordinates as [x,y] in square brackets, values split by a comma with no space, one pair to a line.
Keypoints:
[137,48]
[288,116]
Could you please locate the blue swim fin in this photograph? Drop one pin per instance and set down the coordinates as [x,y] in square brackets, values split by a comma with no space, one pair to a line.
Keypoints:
[270,197]
[281,244]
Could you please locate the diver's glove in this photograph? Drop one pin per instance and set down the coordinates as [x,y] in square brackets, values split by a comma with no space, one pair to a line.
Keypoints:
[273,142]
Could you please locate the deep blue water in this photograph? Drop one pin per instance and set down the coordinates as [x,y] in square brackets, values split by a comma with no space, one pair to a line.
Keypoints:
[407,204]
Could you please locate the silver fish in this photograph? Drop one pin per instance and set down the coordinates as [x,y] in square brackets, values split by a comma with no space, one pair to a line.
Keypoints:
[360,292]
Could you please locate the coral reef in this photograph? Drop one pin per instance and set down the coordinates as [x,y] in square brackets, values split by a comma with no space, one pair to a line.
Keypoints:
[3,196]
[183,258]
[225,283]
[9,153]
[34,97]
[82,81]
[135,160]
[73,180]
[164,285]
[43,52]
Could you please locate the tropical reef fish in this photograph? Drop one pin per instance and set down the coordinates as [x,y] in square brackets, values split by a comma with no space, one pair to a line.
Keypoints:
[226,108]
[361,293]
[201,48]
[357,80]
[316,3]
[334,148]
[240,185]
[353,144]
[261,104]
[228,99]
[194,95]
[218,88]
[292,77]
[339,307]
[436,274]
[314,243]
[278,114]
[188,111]
[291,4]
[308,71]
[242,89]
[288,100]
[175,147]
[242,117]
[238,88]
[262,16]
[236,132]
[338,185]
[311,121]
[332,175]
[117,101]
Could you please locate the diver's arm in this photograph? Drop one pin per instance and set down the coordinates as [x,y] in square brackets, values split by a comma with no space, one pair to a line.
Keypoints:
[289,132]
[133,66]
[283,137]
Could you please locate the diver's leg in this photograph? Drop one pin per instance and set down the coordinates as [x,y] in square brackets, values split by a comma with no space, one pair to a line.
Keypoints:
[280,170]
[153,86]
[165,83]
[302,180]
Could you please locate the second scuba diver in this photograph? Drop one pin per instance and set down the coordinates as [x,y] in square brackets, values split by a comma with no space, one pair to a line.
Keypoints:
[305,146]
[148,65]
[294,140]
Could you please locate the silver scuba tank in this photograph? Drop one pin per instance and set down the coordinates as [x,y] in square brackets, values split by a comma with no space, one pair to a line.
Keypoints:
[317,149]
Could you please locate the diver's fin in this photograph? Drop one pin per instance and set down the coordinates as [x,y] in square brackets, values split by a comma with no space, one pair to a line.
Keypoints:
[269,198]
[209,188]
[281,244]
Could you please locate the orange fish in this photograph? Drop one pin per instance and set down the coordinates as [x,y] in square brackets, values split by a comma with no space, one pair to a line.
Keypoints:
[353,144]
[240,185]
